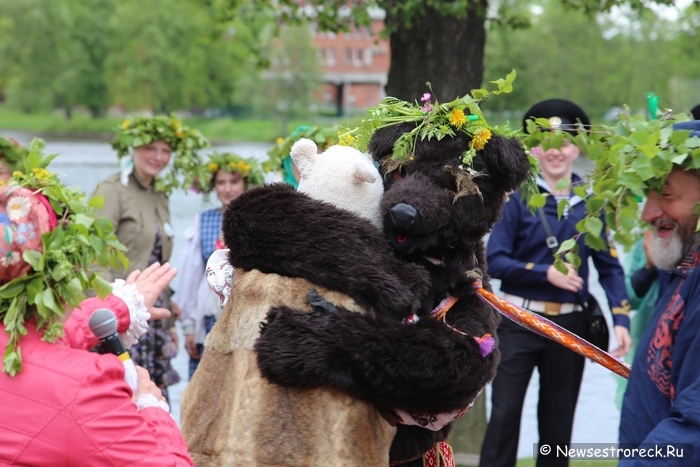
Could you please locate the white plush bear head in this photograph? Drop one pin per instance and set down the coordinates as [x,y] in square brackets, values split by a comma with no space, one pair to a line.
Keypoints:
[341,176]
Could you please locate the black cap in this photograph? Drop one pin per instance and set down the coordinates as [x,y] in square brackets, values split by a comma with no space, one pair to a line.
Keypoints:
[562,114]
[695,112]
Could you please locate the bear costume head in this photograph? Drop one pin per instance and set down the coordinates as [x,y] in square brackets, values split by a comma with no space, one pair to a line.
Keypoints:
[341,176]
[431,202]
[436,212]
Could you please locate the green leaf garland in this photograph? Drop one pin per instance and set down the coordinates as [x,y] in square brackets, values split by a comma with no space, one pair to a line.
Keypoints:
[631,158]
[184,142]
[61,273]
[435,120]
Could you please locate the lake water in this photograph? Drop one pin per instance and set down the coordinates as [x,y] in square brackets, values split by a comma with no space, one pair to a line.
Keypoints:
[84,163]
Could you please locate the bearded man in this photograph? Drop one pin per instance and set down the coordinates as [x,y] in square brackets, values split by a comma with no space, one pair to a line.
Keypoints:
[661,403]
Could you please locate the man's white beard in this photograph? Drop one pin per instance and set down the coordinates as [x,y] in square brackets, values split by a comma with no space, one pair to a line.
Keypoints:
[667,253]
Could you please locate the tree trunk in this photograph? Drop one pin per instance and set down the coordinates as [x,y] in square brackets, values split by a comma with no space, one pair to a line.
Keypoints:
[444,50]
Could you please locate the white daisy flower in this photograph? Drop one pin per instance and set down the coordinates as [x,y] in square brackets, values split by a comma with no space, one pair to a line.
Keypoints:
[9,259]
[18,207]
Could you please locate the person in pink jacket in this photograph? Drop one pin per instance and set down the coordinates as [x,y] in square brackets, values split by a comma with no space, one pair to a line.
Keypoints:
[65,405]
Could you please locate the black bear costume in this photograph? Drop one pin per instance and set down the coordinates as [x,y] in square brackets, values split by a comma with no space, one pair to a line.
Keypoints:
[436,216]
[329,337]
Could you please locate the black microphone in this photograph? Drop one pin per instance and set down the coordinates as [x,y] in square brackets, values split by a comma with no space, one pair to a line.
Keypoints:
[103,324]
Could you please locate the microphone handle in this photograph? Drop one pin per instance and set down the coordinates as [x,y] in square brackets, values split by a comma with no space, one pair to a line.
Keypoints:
[113,344]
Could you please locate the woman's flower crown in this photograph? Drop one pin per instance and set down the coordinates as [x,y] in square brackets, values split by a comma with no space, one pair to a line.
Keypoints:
[248,169]
[184,142]
[61,272]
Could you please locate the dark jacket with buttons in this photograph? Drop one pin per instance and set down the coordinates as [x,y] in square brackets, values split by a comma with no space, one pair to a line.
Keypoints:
[519,256]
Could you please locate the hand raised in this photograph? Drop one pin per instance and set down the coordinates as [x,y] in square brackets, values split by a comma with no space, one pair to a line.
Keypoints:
[150,283]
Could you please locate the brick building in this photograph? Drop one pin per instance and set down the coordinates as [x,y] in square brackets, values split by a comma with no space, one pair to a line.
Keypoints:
[355,66]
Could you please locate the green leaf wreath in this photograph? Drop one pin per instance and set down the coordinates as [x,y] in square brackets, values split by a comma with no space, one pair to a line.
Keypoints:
[249,169]
[184,142]
[322,136]
[60,273]
[435,120]
[632,158]
[12,153]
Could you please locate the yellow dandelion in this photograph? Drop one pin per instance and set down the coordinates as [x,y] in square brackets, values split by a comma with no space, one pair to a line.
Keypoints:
[347,140]
[125,124]
[457,118]
[213,167]
[2,183]
[17,173]
[231,165]
[279,141]
[180,134]
[480,138]
[41,173]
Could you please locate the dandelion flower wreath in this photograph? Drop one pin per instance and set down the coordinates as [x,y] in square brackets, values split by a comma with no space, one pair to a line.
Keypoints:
[435,120]
[184,142]
[248,169]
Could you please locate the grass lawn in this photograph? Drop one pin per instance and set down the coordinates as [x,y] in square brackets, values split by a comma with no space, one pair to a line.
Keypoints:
[81,125]
[586,463]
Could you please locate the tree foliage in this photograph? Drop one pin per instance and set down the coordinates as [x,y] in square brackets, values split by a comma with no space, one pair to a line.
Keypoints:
[287,88]
[433,40]
[91,47]
[40,64]
[158,55]
[599,64]
[158,59]
[200,54]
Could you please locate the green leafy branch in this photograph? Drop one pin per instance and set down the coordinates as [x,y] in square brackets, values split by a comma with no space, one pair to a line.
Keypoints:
[631,158]
[60,273]
[433,119]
